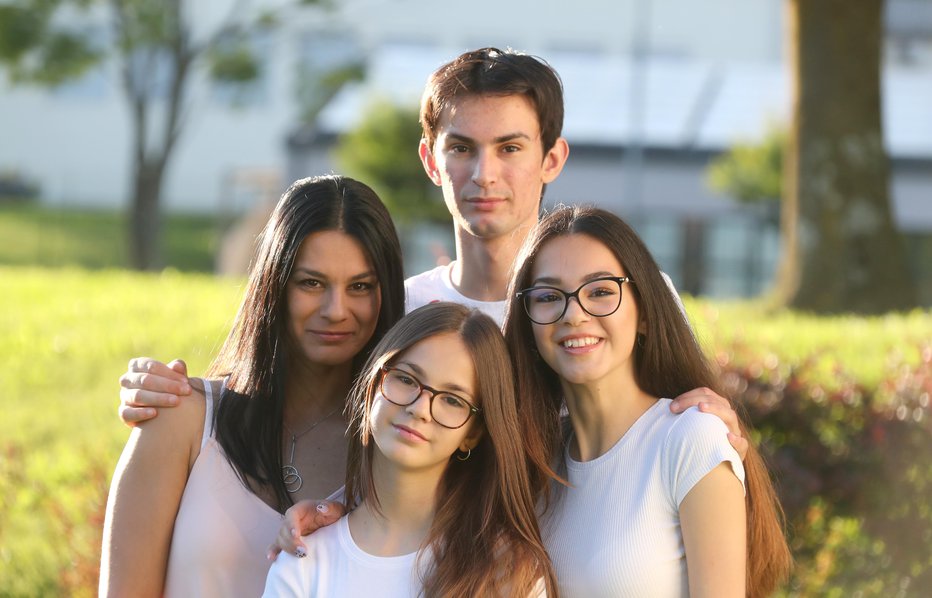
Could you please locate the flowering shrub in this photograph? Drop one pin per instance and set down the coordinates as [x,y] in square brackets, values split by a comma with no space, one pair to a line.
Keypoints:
[853,466]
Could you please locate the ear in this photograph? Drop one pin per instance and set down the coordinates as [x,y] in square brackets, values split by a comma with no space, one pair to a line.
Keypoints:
[472,439]
[642,327]
[429,162]
[554,160]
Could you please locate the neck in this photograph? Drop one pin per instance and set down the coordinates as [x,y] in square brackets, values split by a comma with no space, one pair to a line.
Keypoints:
[312,391]
[601,413]
[406,504]
[483,266]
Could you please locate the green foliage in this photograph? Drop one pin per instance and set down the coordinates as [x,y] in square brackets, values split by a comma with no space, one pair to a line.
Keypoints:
[315,89]
[35,50]
[841,409]
[65,336]
[37,235]
[382,151]
[751,172]
[840,405]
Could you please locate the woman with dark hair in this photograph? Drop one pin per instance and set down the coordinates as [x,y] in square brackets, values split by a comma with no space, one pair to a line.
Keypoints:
[214,475]
[656,504]
[437,485]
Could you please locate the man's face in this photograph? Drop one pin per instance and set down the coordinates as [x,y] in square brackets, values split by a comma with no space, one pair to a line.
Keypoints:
[489,161]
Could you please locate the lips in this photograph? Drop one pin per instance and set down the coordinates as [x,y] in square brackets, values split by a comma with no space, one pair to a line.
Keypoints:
[331,336]
[409,433]
[580,344]
[485,203]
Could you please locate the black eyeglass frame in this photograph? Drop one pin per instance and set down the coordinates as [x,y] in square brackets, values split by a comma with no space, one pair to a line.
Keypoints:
[575,294]
[473,410]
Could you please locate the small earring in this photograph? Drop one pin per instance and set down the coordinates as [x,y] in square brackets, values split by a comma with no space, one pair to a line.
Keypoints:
[468,453]
[640,340]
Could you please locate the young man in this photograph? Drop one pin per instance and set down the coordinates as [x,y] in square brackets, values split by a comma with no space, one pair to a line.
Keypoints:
[492,123]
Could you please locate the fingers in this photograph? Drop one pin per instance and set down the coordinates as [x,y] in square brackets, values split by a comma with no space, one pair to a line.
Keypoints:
[176,371]
[303,518]
[135,415]
[179,366]
[740,444]
[708,401]
[326,513]
[155,383]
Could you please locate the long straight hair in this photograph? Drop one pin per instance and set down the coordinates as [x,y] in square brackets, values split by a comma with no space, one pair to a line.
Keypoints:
[667,363]
[484,539]
[255,355]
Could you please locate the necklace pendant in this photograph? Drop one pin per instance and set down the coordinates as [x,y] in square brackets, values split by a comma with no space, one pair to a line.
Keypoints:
[292,479]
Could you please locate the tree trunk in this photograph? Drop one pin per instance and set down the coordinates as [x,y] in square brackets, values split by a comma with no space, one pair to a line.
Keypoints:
[842,251]
[145,230]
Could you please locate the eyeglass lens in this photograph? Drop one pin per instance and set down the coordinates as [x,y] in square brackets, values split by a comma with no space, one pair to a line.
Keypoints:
[446,408]
[546,305]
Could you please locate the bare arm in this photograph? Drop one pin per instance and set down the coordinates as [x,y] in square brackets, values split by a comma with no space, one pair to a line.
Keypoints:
[713,519]
[144,498]
[149,385]
[709,401]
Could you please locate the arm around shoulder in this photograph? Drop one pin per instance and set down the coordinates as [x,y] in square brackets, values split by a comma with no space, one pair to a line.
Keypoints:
[144,498]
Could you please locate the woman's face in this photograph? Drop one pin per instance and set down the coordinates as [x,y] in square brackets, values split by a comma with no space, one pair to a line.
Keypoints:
[409,437]
[333,298]
[579,347]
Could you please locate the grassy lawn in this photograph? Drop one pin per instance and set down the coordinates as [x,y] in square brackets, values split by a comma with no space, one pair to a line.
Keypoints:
[66,334]
[65,337]
[43,236]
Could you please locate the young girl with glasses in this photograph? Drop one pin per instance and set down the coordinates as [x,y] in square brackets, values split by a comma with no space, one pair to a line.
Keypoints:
[436,480]
[656,504]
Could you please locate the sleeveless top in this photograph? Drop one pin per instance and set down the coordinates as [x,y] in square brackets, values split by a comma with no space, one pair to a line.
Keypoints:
[222,530]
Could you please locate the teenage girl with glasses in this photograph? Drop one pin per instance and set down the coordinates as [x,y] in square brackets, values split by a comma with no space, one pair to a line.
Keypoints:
[436,479]
[656,504]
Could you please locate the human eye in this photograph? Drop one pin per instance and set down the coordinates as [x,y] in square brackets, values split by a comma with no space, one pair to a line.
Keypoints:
[511,148]
[601,288]
[310,283]
[453,401]
[404,378]
[362,287]
[545,295]
[458,148]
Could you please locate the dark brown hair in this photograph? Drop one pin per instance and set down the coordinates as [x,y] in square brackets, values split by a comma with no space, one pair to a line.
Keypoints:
[484,539]
[255,355]
[667,363]
[490,71]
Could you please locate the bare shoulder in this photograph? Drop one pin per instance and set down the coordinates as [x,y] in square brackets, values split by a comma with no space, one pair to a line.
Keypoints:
[178,428]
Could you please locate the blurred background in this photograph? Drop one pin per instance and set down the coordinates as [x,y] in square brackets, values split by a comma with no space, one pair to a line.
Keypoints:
[776,155]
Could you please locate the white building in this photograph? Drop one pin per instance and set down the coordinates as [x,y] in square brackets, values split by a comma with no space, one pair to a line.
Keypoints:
[679,79]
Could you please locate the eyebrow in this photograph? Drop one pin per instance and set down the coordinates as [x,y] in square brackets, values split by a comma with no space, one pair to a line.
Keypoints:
[318,274]
[499,139]
[550,280]
[454,388]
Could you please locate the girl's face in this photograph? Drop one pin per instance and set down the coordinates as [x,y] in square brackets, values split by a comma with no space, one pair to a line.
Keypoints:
[333,298]
[409,437]
[579,347]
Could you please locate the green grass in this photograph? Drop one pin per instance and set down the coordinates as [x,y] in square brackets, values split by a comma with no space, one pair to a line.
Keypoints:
[865,348]
[66,335]
[41,236]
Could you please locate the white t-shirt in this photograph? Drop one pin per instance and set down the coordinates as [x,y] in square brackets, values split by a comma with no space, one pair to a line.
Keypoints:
[336,566]
[437,285]
[615,532]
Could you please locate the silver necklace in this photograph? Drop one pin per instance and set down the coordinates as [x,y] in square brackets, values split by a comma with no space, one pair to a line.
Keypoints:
[290,475]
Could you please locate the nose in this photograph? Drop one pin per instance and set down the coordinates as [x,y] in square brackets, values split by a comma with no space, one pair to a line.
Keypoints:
[420,408]
[334,306]
[485,169]
[574,314]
